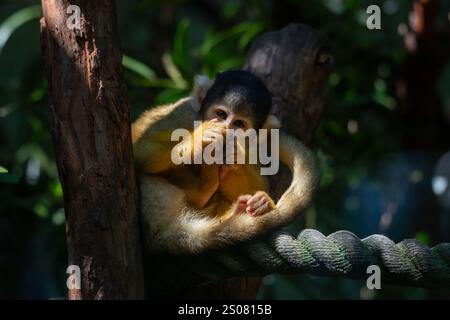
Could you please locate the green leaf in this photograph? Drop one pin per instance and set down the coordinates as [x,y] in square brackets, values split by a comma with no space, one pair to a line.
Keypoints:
[138,67]
[214,39]
[168,96]
[231,63]
[148,78]
[41,210]
[173,72]
[335,128]
[56,189]
[3,170]
[157,83]
[181,51]
[253,30]
[231,9]
[423,237]
[9,178]
[16,20]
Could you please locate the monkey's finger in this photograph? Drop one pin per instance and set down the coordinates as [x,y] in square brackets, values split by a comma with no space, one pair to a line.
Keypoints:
[258,203]
[243,199]
[240,208]
[217,131]
[215,124]
[222,132]
[259,210]
[256,207]
[255,198]
[208,139]
[211,136]
[213,133]
[264,209]
[241,203]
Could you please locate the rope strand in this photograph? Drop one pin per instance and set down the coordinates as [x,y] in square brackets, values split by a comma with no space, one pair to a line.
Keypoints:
[340,254]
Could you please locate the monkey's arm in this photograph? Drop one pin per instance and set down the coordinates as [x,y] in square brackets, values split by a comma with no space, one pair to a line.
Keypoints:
[241,180]
[247,189]
[151,135]
[198,195]
[152,152]
[175,227]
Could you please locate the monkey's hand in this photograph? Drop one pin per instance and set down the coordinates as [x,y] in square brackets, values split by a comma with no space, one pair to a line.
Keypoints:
[255,205]
[212,131]
[226,169]
[260,203]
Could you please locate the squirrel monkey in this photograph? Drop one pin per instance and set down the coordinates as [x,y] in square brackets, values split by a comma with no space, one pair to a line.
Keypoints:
[191,208]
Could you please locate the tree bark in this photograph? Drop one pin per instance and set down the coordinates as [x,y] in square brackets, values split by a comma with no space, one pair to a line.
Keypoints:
[294,65]
[92,138]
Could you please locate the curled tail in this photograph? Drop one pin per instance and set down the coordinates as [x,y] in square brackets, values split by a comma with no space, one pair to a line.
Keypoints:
[171,225]
[305,178]
[295,199]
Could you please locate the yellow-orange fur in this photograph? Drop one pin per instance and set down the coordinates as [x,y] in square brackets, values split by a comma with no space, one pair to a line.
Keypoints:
[173,221]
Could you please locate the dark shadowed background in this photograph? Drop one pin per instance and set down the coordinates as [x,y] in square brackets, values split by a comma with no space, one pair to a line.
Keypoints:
[383,142]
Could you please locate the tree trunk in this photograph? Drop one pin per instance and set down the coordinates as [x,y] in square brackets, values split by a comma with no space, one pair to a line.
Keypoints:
[92,138]
[294,65]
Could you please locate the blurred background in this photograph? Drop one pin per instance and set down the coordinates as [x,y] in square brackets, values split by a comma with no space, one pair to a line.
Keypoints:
[383,142]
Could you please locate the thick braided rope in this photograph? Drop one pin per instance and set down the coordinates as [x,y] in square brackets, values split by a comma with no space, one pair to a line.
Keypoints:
[339,254]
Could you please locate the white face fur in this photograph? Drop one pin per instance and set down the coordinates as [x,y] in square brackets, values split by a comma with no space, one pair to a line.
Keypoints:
[223,113]
[226,116]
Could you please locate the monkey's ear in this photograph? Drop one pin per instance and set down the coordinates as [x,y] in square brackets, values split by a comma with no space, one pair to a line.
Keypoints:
[272,122]
[201,86]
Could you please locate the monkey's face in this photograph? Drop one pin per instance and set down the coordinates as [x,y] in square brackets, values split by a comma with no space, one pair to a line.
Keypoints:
[229,117]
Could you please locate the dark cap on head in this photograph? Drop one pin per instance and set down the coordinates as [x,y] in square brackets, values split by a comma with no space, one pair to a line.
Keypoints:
[242,91]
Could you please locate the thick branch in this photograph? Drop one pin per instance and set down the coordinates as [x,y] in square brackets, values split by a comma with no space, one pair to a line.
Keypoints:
[91,134]
[295,65]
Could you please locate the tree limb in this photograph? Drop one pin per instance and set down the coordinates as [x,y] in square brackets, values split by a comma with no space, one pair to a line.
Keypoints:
[92,138]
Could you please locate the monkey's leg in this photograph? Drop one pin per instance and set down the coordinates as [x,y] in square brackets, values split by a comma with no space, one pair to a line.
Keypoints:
[200,195]
[241,179]
[173,226]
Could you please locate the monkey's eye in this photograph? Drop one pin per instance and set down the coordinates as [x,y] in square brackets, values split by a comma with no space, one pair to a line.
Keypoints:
[221,114]
[239,124]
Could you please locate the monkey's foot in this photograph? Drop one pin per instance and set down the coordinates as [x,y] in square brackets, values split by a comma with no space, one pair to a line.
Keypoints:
[260,203]
[241,204]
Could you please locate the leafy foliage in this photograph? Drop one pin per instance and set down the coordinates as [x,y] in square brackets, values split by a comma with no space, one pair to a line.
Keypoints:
[373,181]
